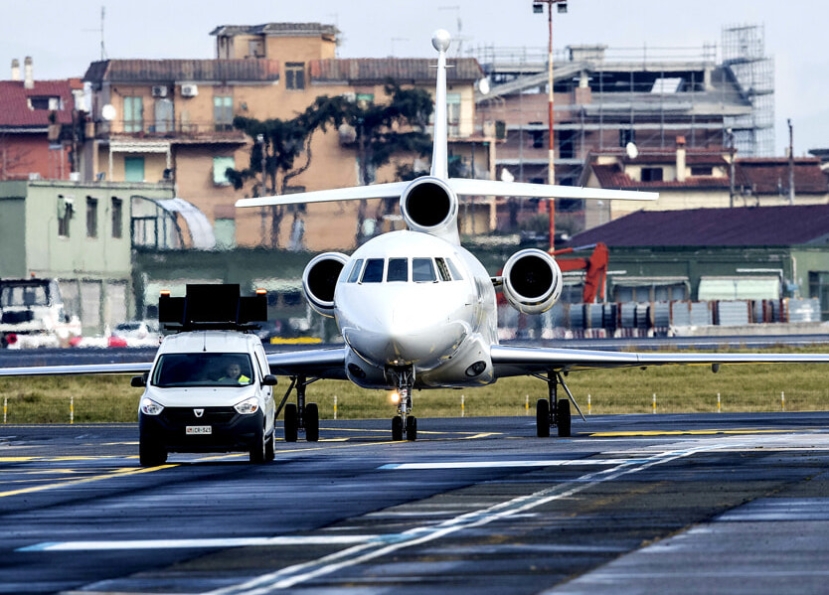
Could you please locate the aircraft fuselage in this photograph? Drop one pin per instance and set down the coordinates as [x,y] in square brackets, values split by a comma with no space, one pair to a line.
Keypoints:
[410,299]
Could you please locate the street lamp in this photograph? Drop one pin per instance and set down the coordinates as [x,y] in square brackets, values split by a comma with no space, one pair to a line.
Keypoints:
[538,8]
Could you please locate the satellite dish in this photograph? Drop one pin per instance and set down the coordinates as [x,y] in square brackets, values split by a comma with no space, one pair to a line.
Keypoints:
[631,150]
[506,176]
[483,86]
[108,112]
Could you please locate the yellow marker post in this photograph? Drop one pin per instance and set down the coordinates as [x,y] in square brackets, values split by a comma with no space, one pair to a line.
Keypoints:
[782,401]
[462,406]
[335,406]
[527,405]
[71,410]
[5,410]
[654,403]
[589,405]
[719,404]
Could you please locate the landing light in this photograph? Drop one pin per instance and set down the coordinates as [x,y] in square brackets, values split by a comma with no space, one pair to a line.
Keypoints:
[475,369]
[394,398]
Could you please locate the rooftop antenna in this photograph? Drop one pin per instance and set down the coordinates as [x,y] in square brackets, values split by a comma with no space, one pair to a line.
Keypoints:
[101,31]
[457,37]
[103,48]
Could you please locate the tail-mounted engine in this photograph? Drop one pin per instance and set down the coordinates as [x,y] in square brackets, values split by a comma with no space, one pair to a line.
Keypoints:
[532,281]
[430,206]
[320,280]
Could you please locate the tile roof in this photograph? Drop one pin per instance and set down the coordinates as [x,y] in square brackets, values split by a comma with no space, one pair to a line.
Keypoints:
[742,226]
[612,177]
[353,70]
[172,71]
[14,105]
[769,175]
[277,29]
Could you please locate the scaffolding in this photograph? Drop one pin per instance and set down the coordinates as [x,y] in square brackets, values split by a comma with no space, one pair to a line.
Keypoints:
[743,53]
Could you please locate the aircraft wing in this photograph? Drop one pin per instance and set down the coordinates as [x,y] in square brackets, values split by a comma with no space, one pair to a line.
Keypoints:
[392,190]
[468,187]
[74,370]
[320,363]
[519,361]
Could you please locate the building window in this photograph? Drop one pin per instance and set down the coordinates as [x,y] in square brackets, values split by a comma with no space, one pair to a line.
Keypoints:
[453,113]
[65,212]
[91,217]
[220,167]
[701,171]
[295,75]
[256,48]
[538,139]
[225,231]
[134,169]
[819,288]
[566,144]
[651,174]
[117,210]
[163,116]
[626,136]
[133,114]
[223,112]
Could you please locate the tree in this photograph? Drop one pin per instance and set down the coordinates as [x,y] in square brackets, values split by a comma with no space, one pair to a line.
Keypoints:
[378,131]
[373,130]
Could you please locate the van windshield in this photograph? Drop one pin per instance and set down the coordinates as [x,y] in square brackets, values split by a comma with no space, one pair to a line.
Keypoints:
[203,369]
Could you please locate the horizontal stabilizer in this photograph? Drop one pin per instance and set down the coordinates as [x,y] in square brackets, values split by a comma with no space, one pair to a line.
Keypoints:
[393,190]
[467,187]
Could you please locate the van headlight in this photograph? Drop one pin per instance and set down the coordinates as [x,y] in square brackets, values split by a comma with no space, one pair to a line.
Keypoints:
[150,407]
[247,406]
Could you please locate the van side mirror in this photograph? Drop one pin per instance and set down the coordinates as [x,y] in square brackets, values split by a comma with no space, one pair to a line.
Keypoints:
[269,380]
[139,381]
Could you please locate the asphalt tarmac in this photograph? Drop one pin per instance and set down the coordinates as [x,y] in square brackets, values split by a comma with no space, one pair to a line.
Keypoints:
[714,503]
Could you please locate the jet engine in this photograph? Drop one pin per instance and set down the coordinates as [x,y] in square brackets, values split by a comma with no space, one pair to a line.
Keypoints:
[430,206]
[532,281]
[320,279]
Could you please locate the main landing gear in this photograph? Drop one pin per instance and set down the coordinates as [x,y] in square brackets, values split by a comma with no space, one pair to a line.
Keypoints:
[403,422]
[553,411]
[300,417]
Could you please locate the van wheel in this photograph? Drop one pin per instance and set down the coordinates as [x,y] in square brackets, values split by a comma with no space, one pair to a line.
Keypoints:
[150,455]
[269,448]
[259,448]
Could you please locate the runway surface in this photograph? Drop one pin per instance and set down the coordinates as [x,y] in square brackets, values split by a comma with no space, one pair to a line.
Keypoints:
[630,504]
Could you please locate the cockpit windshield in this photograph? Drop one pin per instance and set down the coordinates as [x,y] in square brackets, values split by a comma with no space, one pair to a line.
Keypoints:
[203,369]
[402,270]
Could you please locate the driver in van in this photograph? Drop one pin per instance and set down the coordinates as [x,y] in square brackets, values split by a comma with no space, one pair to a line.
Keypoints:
[233,374]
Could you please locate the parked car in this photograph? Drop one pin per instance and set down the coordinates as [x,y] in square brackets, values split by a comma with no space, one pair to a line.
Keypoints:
[136,333]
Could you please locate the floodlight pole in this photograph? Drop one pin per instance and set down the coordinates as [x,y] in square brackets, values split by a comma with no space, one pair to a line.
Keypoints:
[551,167]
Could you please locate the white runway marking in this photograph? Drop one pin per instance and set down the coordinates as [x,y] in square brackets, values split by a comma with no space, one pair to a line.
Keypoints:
[500,464]
[151,544]
[385,545]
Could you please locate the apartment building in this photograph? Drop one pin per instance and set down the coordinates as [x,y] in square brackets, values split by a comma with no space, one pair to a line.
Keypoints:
[172,120]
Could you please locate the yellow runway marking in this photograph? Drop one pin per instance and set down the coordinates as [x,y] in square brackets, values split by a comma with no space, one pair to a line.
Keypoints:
[122,472]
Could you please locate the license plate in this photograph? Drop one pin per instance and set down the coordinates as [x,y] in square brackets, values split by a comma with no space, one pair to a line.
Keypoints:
[190,430]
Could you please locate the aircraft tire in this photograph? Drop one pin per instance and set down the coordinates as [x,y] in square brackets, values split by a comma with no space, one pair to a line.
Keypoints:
[312,422]
[397,428]
[542,418]
[291,422]
[563,418]
[411,428]
[150,455]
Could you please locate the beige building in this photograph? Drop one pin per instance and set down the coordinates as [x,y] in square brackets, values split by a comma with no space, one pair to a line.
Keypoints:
[153,120]
[699,179]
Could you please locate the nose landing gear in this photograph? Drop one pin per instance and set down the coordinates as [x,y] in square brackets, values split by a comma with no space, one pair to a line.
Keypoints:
[403,422]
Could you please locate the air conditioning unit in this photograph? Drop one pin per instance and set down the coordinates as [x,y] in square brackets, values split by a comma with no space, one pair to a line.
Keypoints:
[189,90]
[159,91]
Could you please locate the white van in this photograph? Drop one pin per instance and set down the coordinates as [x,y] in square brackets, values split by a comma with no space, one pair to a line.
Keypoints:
[207,391]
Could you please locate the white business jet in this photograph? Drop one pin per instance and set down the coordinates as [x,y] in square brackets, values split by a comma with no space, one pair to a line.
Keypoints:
[418,311]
